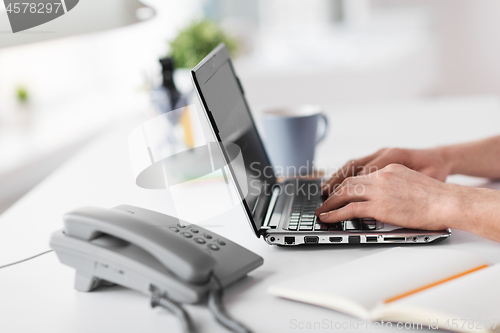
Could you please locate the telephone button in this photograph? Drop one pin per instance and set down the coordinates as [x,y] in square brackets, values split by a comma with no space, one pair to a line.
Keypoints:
[200,240]
[174,229]
[180,225]
[207,236]
[221,242]
[213,247]
[194,231]
[187,234]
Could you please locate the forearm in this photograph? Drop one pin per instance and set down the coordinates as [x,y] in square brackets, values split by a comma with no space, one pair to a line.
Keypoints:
[476,210]
[479,158]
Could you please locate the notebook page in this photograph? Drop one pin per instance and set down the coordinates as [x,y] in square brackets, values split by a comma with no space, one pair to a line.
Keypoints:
[469,303]
[370,280]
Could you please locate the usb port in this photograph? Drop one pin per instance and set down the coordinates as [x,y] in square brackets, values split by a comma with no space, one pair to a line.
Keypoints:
[371,239]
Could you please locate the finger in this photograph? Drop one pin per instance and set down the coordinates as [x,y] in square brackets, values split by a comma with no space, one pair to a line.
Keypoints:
[375,165]
[355,180]
[350,211]
[391,156]
[350,169]
[344,196]
[348,181]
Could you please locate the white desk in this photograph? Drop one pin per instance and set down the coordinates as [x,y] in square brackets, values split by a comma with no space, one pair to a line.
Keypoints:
[38,295]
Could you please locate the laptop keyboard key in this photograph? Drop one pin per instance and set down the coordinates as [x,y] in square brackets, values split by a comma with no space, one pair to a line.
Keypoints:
[320,226]
[352,225]
[302,212]
[336,226]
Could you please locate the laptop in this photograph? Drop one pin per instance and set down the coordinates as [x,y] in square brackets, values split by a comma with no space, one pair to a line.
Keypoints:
[280,212]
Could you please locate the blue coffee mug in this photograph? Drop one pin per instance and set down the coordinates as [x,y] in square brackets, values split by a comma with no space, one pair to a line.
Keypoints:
[291,136]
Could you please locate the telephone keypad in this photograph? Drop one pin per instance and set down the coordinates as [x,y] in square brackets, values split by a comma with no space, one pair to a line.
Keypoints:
[200,240]
[213,247]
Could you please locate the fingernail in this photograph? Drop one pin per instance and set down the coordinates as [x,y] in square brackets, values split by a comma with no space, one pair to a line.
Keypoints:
[324,214]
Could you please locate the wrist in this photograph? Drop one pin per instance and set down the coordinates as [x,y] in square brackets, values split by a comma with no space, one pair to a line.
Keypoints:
[471,209]
[450,158]
[453,207]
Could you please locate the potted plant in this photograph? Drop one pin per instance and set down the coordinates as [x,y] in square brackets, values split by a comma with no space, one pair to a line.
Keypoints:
[192,44]
[196,40]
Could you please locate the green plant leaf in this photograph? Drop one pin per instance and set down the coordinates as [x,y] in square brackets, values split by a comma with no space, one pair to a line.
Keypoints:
[22,94]
[195,41]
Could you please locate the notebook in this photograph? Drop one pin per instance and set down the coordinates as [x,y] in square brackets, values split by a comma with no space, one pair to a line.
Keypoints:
[437,288]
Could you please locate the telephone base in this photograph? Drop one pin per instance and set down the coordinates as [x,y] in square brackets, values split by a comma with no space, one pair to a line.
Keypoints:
[86,282]
[135,247]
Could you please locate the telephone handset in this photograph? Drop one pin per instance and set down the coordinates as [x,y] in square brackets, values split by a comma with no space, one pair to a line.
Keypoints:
[139,248]
[184,258]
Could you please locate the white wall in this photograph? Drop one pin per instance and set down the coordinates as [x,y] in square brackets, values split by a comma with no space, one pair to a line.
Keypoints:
[468,35]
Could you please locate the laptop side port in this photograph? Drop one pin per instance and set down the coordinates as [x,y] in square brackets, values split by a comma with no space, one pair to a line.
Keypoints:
[354,239]
[394,239]
[335,239]
[289,240]
[371,239]
[311,239]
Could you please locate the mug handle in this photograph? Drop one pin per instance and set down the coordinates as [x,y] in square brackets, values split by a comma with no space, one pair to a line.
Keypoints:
[320,137]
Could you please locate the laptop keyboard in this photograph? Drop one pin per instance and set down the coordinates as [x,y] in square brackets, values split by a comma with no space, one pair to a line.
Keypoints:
[302,213]
[302,218]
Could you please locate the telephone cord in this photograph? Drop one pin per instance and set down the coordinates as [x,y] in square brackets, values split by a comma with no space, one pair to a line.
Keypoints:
[23,260]
[218,310]
[215,305]
[158,299]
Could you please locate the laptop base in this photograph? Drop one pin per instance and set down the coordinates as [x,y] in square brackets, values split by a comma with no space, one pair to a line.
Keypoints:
[401,236]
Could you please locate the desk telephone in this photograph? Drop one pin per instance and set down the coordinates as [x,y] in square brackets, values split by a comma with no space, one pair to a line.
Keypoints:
[154,254]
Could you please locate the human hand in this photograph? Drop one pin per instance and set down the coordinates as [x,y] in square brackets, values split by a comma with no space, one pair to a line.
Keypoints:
[395,195]
[430,162]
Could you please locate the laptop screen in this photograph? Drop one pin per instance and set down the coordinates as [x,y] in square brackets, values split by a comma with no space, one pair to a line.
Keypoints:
[220,92]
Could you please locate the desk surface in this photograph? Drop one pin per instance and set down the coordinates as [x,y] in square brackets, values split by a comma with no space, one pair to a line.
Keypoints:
[38,295]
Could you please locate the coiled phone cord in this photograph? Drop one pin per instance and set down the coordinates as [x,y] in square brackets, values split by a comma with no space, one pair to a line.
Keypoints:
[159,299]
[216,306]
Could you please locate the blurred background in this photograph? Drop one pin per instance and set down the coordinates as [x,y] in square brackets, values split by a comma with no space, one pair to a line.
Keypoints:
[58,94]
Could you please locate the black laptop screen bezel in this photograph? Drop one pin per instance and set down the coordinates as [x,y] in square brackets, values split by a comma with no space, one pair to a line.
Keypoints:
[200,75]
